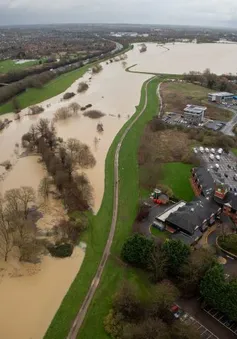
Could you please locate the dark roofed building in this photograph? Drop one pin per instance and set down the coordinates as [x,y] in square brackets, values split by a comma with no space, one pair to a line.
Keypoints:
[195,215]
[203,181]
[229,204]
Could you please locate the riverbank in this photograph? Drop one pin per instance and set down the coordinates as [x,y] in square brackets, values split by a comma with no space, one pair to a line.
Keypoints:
[115,270]
[96,238]
[56,86]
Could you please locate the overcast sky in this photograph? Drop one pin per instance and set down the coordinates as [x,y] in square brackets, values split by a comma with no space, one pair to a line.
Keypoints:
[185,12]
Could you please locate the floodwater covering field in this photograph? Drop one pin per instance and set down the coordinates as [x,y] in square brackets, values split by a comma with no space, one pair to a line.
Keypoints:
[179,58]
[40,288]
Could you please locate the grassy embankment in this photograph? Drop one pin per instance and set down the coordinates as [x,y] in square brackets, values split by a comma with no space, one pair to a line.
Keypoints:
[161,75]
[56,86]
[10,65]
[177,95]
[95,237]
[115,270]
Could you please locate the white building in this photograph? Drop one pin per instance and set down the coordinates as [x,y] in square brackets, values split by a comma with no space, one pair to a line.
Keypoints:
[194,114]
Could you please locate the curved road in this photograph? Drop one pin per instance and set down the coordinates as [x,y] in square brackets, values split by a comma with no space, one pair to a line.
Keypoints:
[95,282]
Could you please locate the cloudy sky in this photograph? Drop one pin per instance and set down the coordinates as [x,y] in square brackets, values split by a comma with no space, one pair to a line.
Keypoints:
[188,12]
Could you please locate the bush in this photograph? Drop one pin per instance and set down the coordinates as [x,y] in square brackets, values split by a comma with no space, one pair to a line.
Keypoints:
[100,128]
[97,68]
[143,212]
[62,113]
[35,110]
[82,87]
[61,251]
[88,106]
[7,164]
[94,114]
[68,95]
[228,242]
[137,250]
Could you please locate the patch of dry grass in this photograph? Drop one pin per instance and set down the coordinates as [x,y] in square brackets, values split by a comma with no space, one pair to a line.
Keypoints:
[164,146]
[177,95]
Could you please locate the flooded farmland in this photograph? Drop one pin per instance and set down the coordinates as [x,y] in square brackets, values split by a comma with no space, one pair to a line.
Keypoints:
[114,92]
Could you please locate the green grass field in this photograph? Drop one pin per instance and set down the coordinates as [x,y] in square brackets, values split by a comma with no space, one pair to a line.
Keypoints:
[10,65]
[160,234]
[176,176]
[56,86]
[115,270]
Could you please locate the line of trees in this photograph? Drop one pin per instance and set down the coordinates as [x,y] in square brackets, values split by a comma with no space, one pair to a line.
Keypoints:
[132,317]
[223,83]
[194,272]
[62,160]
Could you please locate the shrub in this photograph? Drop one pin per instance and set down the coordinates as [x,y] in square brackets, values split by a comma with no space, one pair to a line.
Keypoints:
[88,106]
[35,110]
[94,114]
[137,250]
[7,164]
[62,113]
[83,108]
[82,87]
[97,68]
[228,242]
[68,95]
[61,251]
[100,128]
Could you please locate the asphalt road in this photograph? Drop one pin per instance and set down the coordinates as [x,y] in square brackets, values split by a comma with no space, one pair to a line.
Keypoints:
[95,282]
[227,129]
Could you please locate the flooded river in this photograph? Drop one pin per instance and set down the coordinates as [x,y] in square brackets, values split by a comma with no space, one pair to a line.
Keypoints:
[115,92]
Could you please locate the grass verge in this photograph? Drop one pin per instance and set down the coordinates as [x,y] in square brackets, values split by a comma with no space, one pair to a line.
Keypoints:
[159,234]
[115,270]
[58,85]
[176,176]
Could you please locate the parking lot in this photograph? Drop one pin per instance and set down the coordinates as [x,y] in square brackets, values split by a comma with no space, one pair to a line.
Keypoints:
[226,170]
[221,318]
[176,119]
[204,332]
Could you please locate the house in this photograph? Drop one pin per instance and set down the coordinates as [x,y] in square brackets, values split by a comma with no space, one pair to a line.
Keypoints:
[228,201]
[194,114]
[194,217]
[203,181]
[220,97]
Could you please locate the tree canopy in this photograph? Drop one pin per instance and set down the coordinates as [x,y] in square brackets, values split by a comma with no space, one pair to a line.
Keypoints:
[137,250]
[176,253]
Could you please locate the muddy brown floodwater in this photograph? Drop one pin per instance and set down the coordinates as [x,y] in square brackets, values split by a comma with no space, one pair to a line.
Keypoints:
[31,294]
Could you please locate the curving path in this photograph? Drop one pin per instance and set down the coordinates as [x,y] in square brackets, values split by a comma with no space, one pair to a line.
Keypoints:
[95,282]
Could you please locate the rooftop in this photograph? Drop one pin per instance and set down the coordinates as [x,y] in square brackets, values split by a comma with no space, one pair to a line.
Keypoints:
[163,216]
[221,94]
[193,214]
[205,180]
[195,109]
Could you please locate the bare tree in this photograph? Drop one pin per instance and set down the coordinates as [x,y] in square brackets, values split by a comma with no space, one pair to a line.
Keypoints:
[44,188]
[80,153]
[74,106]
[17,208]
[6,235]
